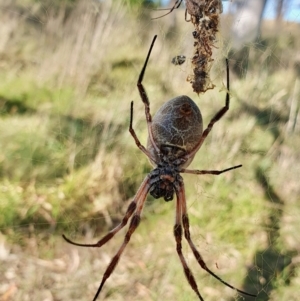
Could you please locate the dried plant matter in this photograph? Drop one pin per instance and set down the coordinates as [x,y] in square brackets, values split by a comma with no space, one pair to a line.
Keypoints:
[205,17]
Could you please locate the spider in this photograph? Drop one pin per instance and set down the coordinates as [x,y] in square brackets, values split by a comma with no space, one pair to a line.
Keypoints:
[178,60]
[175,136]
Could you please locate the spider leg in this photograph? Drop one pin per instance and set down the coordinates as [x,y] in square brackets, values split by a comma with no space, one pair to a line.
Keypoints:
[185,222]
[185,16]
[209,172]
[178,237]
[144,97]
[136,139]
[216,118]
[175,6]
[141,193]
[134,222]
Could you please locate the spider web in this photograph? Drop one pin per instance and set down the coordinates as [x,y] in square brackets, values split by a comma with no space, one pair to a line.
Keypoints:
[68,164]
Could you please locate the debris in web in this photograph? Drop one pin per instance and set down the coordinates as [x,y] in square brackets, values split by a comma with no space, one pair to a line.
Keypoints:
[204,15]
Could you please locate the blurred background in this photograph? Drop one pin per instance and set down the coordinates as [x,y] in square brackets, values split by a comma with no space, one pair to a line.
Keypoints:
[68,71]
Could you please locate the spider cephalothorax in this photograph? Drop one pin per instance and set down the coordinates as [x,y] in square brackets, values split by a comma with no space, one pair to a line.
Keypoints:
[163,180]
[175,136]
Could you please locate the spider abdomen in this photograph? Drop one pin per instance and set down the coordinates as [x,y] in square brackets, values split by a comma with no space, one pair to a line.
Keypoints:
[176,128]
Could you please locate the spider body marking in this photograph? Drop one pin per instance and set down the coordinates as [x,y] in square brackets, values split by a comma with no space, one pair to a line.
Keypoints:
[177,128]
[175,136]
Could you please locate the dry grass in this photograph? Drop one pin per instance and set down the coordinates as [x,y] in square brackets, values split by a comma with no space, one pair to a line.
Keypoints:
[68,164]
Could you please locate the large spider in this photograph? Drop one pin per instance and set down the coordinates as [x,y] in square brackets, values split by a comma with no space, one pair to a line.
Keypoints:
[175,136]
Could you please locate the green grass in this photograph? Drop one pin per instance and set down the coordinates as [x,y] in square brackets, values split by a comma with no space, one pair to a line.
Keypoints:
[69,165]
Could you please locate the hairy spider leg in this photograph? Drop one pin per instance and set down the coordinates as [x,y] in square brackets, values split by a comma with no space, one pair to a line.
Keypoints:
[175,6]
[178,237]
[180,192]
[145,98]
[216,118]
[130,210]
[134,222]
[136,139]
[185,16]
[208,172]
